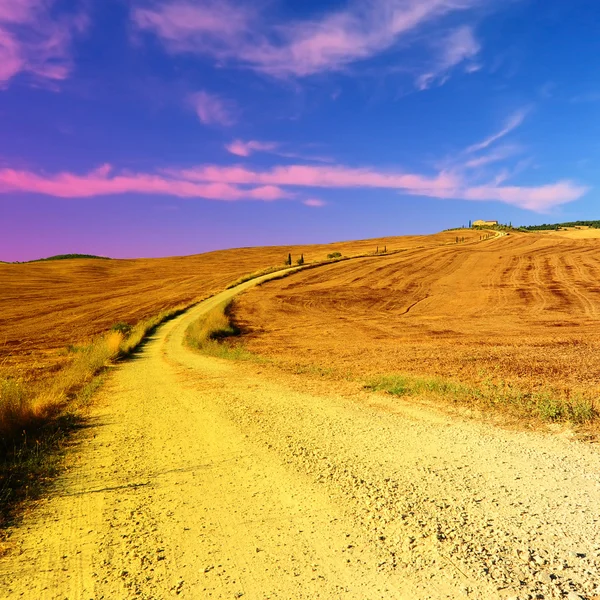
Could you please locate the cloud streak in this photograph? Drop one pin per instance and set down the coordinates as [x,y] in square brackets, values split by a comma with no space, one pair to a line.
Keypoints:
[514,121]
[234,183]
[227,31]
[241,148]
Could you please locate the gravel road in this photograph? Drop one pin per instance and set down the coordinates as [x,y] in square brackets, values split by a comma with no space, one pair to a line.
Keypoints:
[203,478]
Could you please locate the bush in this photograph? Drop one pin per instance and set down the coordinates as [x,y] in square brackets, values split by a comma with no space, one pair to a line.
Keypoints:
[122,328]
[335,255]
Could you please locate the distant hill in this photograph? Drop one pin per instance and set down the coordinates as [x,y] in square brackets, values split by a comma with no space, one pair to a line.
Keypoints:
[68,256]
[556,226]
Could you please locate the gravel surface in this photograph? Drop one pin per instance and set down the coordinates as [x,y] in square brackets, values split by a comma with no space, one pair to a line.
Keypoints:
[202,478]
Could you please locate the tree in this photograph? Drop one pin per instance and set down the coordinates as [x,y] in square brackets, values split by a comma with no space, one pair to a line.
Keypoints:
[470,224]
[289,260]
[384,249]
[300,261]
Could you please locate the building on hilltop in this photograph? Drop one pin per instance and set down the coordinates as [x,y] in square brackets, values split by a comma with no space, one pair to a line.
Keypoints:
[482,223]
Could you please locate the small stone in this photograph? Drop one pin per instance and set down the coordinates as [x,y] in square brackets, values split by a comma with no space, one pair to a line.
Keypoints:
[573,596]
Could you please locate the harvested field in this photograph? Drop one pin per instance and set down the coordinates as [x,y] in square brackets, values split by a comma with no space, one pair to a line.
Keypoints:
[521,310]
[47,306]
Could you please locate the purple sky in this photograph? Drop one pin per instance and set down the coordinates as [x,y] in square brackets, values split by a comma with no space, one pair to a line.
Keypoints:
[160,127]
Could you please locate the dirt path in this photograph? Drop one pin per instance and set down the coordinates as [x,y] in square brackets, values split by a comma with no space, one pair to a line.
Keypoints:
[210,479]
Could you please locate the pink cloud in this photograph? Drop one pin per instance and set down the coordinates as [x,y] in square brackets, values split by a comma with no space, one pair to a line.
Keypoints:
[34,40]
[314,202]
[320,176]
[212,110]
[241,148]
[539,199]
[238,183]
[101,183]
[228,31]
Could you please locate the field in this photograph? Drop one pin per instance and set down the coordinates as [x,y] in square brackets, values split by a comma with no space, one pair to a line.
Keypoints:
[45,307]
[518,314]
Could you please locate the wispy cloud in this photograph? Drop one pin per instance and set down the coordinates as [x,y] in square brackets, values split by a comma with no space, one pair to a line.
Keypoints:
[212,109]
[514,121]
[314,202]
[230,183]
[586,98]
[36,38]
[228,31]
[241,148]
[458,47]
[246,148]
[496,155]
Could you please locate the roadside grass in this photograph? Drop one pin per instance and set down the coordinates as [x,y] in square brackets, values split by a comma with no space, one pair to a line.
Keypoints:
[37,417]
[256,274]
[210,334]
[545,405]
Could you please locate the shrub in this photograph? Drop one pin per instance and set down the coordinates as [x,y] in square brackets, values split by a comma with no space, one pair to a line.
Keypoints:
[122,327]
[335,255]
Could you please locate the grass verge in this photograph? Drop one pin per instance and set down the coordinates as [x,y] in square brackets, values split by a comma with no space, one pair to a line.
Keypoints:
[543,405]
[256,274]
[211,332]
[37,418]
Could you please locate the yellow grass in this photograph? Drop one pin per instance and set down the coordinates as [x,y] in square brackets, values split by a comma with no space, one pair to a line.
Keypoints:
[210,332]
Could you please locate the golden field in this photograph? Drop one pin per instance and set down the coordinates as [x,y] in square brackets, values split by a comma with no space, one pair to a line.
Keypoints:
[47,306]
[518,312]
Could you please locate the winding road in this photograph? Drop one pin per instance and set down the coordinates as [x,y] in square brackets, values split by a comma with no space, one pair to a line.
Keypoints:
[203,478]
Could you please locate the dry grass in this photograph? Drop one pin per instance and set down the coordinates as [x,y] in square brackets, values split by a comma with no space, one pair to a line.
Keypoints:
[541,404]
[521,312]
[210,334]
[36,416]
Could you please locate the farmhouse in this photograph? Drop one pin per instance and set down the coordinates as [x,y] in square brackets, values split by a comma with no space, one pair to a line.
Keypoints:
[481,223]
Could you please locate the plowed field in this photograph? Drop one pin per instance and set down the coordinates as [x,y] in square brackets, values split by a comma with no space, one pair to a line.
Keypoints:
[45,306]
[523,308]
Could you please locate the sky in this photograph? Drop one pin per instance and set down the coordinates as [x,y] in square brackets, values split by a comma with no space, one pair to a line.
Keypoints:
[140,128]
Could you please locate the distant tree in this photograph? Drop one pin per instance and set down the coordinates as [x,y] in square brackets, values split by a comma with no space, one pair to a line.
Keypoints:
[377,250]
[470,224]
[289,260]
[457,239]
[385,249]
[300,261]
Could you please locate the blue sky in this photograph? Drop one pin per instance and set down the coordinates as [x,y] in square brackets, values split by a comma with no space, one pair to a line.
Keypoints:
[160,127]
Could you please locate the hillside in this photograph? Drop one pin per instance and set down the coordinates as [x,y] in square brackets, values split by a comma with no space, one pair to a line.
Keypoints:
[46,306]
[518,312]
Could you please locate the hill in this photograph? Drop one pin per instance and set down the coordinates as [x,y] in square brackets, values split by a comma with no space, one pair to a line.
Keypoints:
[514,315]
[69,256]
[556,226]
[49,305]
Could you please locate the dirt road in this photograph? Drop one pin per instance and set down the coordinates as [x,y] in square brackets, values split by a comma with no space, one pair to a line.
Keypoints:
[211,479]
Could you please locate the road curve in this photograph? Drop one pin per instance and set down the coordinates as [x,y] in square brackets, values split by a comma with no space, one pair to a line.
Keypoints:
[203,478]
